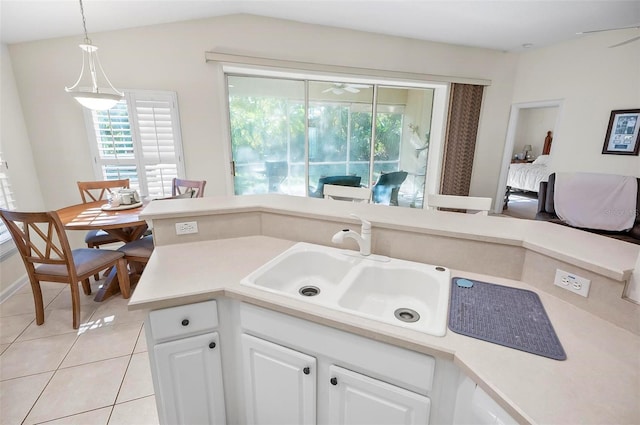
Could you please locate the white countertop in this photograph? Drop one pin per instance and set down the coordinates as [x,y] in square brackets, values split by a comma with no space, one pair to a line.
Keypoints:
[598,383]
[606,256]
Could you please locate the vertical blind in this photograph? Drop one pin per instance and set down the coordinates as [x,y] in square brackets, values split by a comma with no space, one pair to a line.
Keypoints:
[139,139]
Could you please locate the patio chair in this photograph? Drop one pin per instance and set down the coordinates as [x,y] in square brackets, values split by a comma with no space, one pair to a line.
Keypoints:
[277,172]
[47,256]
[385,190]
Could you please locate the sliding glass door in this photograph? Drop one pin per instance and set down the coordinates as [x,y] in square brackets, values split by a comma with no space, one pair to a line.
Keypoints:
[276,148]
[267,125]
[403,128]
[339,131]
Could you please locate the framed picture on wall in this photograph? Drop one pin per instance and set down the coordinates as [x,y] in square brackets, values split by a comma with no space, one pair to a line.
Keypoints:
[623,133]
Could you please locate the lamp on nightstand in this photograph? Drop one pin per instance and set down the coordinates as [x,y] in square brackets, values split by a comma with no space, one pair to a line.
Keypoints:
[526,150]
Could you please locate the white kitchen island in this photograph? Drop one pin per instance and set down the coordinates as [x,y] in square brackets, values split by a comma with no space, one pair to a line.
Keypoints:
[598,383]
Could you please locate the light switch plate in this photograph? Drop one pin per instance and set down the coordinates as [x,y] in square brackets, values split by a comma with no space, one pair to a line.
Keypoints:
[571,282]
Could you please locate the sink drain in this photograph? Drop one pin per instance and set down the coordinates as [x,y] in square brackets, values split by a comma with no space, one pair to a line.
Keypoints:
[309,291]
[407,315]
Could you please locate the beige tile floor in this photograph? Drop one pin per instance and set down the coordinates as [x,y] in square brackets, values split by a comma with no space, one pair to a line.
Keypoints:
[53,374]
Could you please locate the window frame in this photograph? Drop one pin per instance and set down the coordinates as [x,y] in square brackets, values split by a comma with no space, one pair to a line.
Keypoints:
[7,245]
[351,106]
[131,97]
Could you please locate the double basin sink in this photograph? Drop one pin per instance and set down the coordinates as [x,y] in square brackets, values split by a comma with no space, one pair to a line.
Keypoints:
[402,293]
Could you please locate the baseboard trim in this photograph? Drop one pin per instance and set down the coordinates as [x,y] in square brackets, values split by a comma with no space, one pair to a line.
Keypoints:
[13,288]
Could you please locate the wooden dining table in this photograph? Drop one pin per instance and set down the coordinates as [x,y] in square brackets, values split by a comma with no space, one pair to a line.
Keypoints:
[123,224]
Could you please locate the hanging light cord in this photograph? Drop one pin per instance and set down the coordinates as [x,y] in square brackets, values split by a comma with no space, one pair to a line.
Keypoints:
[84,24]
[90,58]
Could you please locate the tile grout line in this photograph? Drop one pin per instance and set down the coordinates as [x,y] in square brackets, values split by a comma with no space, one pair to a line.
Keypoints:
[51,378]
[15,341]
[124,376]
[69,416]
[39,395]
[59,367]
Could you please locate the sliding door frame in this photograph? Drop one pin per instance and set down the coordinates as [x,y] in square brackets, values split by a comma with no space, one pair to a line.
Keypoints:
[438,116]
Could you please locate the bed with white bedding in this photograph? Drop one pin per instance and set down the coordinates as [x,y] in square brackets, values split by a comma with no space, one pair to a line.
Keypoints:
[527,177]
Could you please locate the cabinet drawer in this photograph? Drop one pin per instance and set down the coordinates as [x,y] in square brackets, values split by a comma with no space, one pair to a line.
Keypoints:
[183,321]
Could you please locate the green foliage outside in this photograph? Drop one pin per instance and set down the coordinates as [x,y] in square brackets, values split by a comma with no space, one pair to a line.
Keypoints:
[272,129]
[114,131]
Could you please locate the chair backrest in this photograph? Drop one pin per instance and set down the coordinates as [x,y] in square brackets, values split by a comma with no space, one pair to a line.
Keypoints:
[394,178]
[276,168]
[99,190]
[277,172]
[474,203]
[40,238]
[347,193]
[352,181]
[187,188]
[386,189]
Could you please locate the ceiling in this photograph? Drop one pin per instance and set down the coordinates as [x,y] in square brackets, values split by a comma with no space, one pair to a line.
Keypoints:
[501,25]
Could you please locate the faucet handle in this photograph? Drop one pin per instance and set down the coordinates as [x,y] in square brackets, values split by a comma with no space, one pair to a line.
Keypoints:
[366,225]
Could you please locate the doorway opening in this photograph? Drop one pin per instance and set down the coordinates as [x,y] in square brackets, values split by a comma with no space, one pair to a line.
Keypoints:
[528,156]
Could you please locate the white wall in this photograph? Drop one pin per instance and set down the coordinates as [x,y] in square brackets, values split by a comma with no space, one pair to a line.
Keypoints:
[171,57]
[532,127]
[590,78]
[16,150]
[593,80]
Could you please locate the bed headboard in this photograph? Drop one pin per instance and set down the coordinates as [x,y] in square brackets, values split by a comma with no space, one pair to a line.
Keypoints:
[546,149]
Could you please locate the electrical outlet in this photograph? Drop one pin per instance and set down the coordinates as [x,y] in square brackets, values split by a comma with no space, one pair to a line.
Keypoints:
[571,282]
[186,227]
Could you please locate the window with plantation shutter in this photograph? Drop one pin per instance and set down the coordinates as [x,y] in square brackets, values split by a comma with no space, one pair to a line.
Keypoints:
[138,139]
[6,202]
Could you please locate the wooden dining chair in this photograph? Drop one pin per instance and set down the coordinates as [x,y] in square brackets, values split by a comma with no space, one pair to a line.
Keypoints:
[93,191]
[182,188]
[137,253]
[99,190]
[47,256]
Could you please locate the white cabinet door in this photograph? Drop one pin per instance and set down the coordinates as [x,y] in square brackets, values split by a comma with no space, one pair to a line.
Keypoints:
[280,383]
[189,373]
[359,399]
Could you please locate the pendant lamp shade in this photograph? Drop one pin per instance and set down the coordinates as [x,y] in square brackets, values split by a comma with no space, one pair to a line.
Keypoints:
[86,90]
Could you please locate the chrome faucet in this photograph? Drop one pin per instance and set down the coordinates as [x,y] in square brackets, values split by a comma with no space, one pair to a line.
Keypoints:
[363,239]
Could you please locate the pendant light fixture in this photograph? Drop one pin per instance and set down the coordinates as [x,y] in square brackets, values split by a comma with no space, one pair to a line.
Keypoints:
[90,95]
